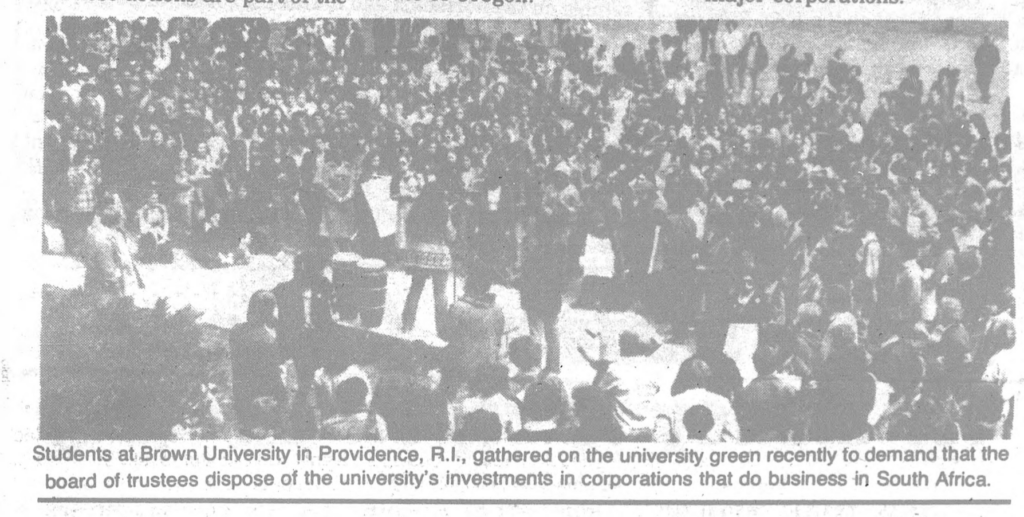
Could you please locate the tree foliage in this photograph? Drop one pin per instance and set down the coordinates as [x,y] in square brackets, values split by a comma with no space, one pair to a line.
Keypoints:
[113,371]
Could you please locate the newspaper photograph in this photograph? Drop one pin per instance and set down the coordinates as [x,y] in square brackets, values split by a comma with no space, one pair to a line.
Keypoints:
[465,256]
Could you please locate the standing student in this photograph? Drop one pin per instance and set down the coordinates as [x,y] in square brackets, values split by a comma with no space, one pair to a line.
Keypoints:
[986,59]
[429,231]
[731,45]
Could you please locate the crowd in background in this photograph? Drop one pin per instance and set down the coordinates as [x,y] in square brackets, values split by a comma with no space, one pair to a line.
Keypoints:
[875,250]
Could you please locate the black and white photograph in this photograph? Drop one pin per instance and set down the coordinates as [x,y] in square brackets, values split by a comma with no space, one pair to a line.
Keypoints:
[527,230]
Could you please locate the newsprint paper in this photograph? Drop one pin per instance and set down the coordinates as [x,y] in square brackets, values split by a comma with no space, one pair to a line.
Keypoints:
[277,257]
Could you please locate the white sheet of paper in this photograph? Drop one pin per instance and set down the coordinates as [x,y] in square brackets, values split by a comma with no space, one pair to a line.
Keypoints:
[598,258]
[383,208]
[740,344]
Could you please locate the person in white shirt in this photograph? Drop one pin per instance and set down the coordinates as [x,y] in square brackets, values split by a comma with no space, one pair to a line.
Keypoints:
[732,41]
[724,427]
[631,383]
[486,390]
[1003,368]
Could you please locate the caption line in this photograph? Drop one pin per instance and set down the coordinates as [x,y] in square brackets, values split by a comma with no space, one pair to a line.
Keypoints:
[535,502]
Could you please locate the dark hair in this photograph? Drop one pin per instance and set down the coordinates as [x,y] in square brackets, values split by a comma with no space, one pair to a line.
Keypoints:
[698,422]
[524,352]
[261,308]
[489,379]
[479,426]
[350,396]
[595,411]
[542,402]
[984,403]
[429,213]
[694,373]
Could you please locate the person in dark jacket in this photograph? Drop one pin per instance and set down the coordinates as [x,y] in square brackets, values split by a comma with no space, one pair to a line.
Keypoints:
[542,407]
[708,29]
[986,59]
[540,294]
[753,61]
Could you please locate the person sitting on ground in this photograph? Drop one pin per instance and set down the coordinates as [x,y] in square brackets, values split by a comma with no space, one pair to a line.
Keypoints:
[766,408]
[525,354]
[267,420]
[353,419]
[154,244]
[982,412]
[725,428]
[487,389]
[630,382]
[542,407]
[256,359]
[699,423]
[595,415]
[479,426]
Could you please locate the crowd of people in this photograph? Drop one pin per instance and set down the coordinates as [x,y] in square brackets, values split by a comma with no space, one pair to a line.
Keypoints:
[874,250]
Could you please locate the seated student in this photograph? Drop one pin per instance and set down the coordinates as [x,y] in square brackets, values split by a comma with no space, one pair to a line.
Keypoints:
[725,378]
[266,422]
[725,428]
[213,244]
[487,390]
[256,359]
[766,408]
[982,412]
[631,383]
[479,426]
[931,417]
[154,244]
[526,355]
[353,418]
[901,366]
[542,407]
[410,398]
[595,415]
[699,424]
[844,398]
